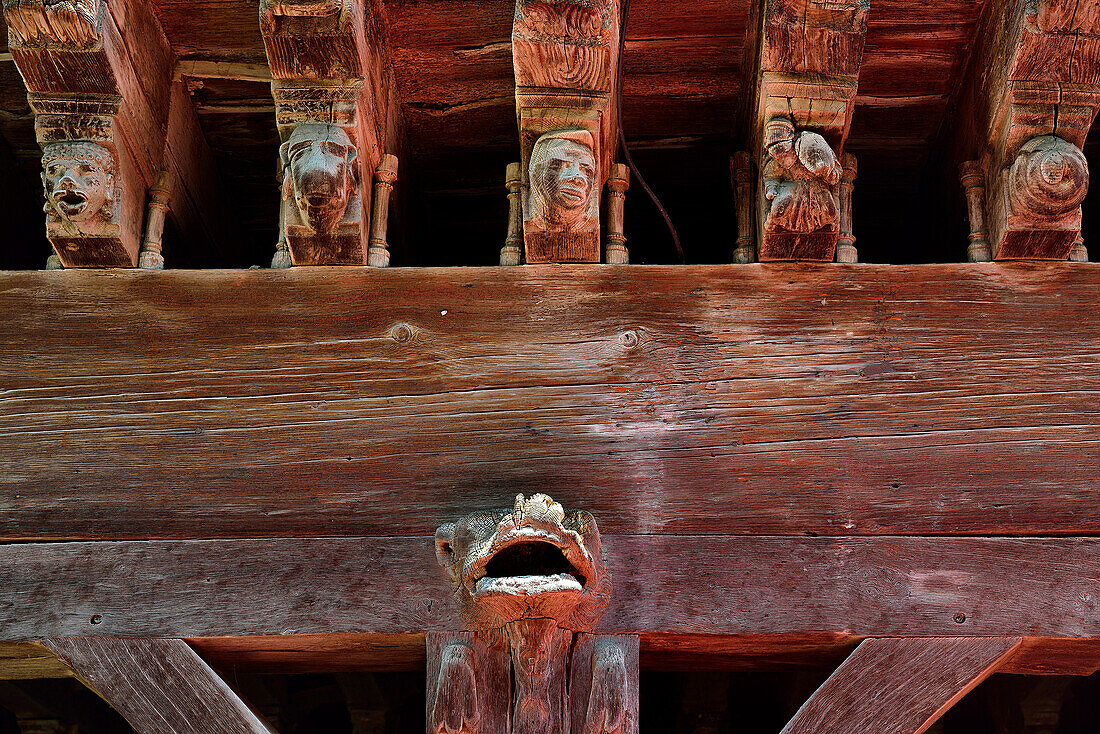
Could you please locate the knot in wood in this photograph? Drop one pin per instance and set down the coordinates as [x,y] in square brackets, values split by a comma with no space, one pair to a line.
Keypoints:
[629,339]
[402,333]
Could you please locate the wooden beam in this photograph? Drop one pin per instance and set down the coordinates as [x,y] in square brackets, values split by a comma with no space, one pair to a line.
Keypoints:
[29,660]
[899,686]
[1026,107]
[337,118]
[100,80]
[836,401]
[159,686]
[566,58]
[804,86]
[852,587]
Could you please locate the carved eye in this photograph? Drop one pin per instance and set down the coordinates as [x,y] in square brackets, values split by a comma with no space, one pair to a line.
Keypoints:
[300,147]
[55,170]
[334,148]
[588,170]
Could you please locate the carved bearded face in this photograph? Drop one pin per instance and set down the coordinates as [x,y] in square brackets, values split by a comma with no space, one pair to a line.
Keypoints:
[78,180]
[562,175]
[319,161]
[533,561]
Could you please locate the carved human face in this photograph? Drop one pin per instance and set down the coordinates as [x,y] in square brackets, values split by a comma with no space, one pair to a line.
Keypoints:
[319,160]
[563,172]
[78,187]
[532,561]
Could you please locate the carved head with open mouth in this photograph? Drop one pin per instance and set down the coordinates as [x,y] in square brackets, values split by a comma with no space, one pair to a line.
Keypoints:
[79,179]
[533,561]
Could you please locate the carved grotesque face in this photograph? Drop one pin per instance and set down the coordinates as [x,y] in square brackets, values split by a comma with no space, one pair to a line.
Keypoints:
[532,561]
[321,176]
[79,181]
[563,173]
[1050,177]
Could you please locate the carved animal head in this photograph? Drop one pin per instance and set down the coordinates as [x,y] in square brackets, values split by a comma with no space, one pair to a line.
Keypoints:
[79,181]
[321,175]
[563,177]
[533,561]
[1049,178]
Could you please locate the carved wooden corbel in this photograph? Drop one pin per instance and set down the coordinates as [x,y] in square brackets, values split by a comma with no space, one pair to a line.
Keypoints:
[565,54]
[809,68]
[535,576]
[1034,102]
[329,122]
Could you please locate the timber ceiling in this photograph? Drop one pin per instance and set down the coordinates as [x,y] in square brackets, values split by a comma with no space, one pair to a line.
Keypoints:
[683,105]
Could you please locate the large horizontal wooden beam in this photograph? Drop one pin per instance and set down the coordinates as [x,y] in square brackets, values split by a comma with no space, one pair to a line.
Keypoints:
[766,399]
[823,588]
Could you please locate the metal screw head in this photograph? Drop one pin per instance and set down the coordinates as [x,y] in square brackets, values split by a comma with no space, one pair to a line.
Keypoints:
[96,619]
[960,618]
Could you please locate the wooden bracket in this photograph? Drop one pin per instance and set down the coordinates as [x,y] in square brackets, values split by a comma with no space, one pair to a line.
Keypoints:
[159,686]
[1033,99]
[808,69]
[566,56]
[899,685]
[331,115]
[110,121]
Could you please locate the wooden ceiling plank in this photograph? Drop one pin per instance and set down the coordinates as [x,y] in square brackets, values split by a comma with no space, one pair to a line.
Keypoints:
[899,686]
[1026,108]
[110,120]
[710,585]
[803,86]
[339,123]
[159,686]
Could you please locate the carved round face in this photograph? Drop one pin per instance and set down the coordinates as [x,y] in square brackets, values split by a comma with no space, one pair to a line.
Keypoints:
[77,188]
[1050,177]
[319,160]
[563,172]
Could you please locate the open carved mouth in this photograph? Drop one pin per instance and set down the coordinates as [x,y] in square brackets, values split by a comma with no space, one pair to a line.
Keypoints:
[71,201]
[526,567]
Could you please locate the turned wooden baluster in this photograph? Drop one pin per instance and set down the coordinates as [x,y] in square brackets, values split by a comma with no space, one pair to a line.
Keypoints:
[744,251]
[616,252]
[513,243]
[1079,253]
[846,242]
[970,174]
[378,251]
[152,249]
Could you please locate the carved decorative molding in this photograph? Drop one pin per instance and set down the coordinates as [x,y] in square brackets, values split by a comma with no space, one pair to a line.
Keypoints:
[535,576]
[565,54]
[811,51]
[67,24]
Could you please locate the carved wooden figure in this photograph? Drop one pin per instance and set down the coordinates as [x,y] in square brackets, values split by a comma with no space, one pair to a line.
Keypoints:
[809,67]
[536,575]
[616,252]
[512,252]
[744,251]
[329,121]
[846,243]
[565,54]
[1033,107]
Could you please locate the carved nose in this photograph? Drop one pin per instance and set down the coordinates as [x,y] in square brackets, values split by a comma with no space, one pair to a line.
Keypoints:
[66,182]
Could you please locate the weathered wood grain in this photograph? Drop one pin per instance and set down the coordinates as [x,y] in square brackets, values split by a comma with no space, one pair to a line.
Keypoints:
[898,686]
[754,400]
[28,660]
[708,585]
[469,683]
[160,686]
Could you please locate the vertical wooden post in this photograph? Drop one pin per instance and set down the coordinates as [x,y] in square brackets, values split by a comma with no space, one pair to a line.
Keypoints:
[603,685]
[744,251]
[846,243]
[152,257]
[973,182]
[378,252]
[469,686]
[512,251]
[615,249]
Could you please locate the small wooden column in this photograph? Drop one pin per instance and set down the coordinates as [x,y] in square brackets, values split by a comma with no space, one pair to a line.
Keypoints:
[512,252]
[744,251]
[615,249]
[846,243]
[973,183]
[328,109]
[565,55]
[805,89]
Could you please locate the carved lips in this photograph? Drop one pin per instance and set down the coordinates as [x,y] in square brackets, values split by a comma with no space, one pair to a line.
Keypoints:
[530,562]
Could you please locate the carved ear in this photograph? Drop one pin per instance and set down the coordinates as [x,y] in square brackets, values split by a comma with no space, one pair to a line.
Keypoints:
[444,547]
[284,153]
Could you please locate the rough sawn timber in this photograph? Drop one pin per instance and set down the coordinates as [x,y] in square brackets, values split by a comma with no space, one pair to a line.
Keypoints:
[899,686]
[160,686]
[766,399]
[709,585]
